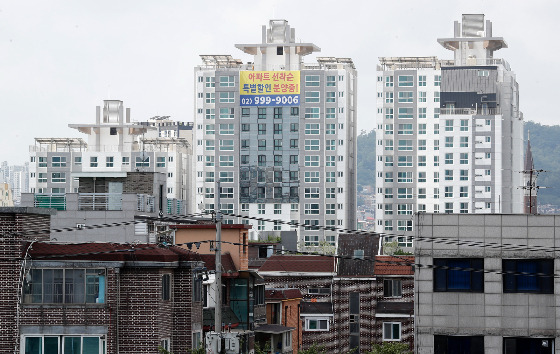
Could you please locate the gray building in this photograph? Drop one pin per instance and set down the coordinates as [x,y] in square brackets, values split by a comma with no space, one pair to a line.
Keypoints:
[280,136]
[493,287]
[450,133]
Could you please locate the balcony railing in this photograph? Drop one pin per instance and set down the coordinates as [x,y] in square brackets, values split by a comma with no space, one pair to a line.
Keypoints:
[471,111]
[51,200]
[100,201]
[146,203]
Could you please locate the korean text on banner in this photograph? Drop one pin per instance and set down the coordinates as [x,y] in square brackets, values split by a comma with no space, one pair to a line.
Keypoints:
[269,88]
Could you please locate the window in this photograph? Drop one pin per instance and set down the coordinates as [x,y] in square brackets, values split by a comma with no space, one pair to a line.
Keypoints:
[449,192]
[405,161]
[459,344]
[405,97]
[388,81]
[388,209]
[227,81]
[226,145]
[389,129]
[262,113]
[406,80]
[422,96]
[331,177]
[464,192]
[312,161]
[312,97]
[226,161]
[58,161]
[226,177]
[58,177]
[421,144]
[448,125]
[311,80]
[312,112]
[331,96]
[331,80]
[226,129]
[294,111]
[405,112]
[404,177]
[449,175]
[262,144]
[464,125]
[436,112]
[312,177]
[210,81]
[421,128]
[448,141]
[78,160]
[278,160]
[92,161]
[330,129]
[463,208]
[69,286]
[209,113]
[316,324]
[312,193]
[421,160]
[436,161]
[210,97]
[43,161]
[388,160]
[166,287]
[421,177]
[67,344]
[388,113]
[277,128]
[464,175]
[311,209]
[404,209]
[388,97]
[405,145]
[227,97]
[227,113]
[422,80]
[449,159]
[464,158]
[404,193]
[160,161]
[437,80]
[312,129]
[450,275]
[262,129]
[391,331]
[405,129]
[311,145]
[436,96]
[520,276]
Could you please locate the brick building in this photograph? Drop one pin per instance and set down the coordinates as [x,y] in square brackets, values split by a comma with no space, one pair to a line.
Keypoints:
[94,297]
[283,328]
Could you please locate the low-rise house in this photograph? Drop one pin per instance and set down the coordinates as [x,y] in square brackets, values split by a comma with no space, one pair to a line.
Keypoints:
[283,326]
[394,312]
[93,297]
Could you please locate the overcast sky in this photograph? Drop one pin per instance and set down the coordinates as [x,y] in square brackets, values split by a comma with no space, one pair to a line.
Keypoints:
[60,59]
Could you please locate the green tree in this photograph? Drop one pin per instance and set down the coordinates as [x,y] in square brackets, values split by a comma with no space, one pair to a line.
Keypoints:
[390,348]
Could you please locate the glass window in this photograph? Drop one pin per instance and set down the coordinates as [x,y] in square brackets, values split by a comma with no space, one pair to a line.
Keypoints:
[227,81]
[227,113]
[311,80]
[312,97]
[391,331]
[405,112]
[405,96]
[406,80]
[450,275]
[312,112]
[227,97]
[528,276]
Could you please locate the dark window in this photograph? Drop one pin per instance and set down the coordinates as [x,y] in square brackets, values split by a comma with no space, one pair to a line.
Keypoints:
[259,294]
[293,159]
[244,191]
[277,128]
[528,345]
[262,160]
[277,112]
[392,288]
[294,127]
[279,50]
[245,112]
[244,144]
[459,274]
[262,113]
[277,192]
[113,131]
[197,288]
[277,160]
[245,127]
[459,344]
[166,287]
[293,143]
[294,191]
[244,159]
[528,276]
[294,111]
[261,192]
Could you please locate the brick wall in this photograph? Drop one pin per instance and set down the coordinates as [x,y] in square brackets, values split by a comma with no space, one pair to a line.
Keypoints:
[15,220]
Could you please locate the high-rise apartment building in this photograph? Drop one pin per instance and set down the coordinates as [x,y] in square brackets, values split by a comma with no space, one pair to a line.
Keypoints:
[449,132]
[280,136]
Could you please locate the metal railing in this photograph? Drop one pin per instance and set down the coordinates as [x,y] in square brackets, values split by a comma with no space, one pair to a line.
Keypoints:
[145,203]
[100,201]
[471,111]
[50,200]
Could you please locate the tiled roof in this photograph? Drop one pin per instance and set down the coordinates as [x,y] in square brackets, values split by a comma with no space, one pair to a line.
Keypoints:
[389,265]
[101,251]
[227,264]
[295,263]
[282,294]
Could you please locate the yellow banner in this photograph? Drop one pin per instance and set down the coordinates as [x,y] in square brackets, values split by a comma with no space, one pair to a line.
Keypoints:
[269,82]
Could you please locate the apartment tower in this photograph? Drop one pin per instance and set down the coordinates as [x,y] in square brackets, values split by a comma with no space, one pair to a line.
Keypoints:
[279,135]
[449,133]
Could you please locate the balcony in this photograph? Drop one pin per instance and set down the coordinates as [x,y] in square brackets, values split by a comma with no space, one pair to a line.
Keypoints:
[51,200]
[480,111]
[99,201]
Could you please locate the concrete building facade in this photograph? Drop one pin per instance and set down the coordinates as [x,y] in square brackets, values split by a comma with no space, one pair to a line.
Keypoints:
[450,133]
[487,284]
[280,136]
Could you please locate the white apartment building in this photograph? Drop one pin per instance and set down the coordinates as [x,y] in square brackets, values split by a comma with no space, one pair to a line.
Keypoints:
[449,133]
[280,136]
[115,146]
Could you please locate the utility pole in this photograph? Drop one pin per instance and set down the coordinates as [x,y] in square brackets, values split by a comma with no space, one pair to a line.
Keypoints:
[218,275]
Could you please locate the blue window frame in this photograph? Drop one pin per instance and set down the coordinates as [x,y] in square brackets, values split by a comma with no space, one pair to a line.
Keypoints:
[459,275]
[528,276]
